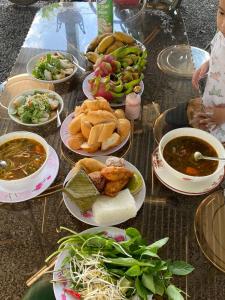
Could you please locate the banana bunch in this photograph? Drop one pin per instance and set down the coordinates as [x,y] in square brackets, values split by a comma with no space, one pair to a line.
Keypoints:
[107,43]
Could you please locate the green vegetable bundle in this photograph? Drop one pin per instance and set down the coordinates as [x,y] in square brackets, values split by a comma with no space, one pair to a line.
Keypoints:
[131,261]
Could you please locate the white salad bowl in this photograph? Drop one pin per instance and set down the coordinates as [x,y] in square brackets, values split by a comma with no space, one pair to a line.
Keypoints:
[15,118]
[35,59]
[197,133]
[20,185]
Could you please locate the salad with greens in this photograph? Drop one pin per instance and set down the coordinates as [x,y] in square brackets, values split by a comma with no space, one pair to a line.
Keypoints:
[53,66]
[101,266]
[35,108]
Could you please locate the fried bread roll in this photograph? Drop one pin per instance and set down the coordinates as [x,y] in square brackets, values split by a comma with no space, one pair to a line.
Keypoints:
[85,127]
[75,125]
[75,141]
[90,165]
[90,148]
[100,116]
[119,113]
[95,133]
[106,132]
[112,141]
[112,188]
[123,128]
[98,104]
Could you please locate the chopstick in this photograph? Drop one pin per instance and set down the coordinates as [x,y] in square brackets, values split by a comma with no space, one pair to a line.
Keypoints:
[41,272]
[152,35]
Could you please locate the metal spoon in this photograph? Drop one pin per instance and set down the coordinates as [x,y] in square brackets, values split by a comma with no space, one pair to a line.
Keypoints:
[198,156]
[77,65]
[3,164]
[59,123]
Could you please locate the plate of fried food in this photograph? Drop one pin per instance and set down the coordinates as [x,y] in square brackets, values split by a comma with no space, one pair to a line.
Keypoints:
[94,128]
[104,191]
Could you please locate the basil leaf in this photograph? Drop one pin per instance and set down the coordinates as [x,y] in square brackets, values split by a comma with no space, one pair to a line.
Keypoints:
[141,290]
[132,232]
[134,271]
[149,253]
[158,244]
[126,262]
[173,293]
[180,268]
[148,282]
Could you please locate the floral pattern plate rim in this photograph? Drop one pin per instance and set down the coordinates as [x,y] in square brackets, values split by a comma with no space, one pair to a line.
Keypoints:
[88,216]
[40,184]
[186,188]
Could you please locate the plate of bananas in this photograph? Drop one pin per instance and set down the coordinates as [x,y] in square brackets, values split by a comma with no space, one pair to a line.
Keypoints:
[108,42]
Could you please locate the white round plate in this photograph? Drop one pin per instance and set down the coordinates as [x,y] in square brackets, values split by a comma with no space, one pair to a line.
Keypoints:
[88,94]
[88,216]
[43,180]
[176,185]
[64,134]
[116,233]
[31,92]
[35,59]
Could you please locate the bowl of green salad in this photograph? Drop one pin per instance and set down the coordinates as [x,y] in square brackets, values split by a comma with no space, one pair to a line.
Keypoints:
[35,107]
[52,66]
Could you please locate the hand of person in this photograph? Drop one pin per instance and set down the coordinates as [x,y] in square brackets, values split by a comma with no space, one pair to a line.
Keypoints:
[210,119]
[200,73]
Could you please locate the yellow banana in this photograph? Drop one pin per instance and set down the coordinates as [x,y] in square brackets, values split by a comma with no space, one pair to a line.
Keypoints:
[94,43]
[92,56]
[123,37]
[114,46]
[105,43]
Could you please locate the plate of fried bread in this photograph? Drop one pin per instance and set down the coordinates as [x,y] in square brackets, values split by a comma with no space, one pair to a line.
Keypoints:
[94,128]
[104,190]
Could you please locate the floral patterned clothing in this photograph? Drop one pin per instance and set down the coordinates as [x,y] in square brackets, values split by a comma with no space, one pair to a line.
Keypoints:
[214,93]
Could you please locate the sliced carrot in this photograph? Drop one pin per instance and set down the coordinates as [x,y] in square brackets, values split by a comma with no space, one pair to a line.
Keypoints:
[191,171]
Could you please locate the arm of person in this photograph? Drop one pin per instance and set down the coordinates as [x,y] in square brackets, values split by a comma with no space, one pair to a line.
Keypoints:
[200,73]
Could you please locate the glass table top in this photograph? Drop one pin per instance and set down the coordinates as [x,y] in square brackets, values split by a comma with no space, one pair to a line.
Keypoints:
[29,229]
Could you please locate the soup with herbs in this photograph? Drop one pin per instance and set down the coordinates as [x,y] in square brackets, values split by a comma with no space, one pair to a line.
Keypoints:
[179,154]
[23,157]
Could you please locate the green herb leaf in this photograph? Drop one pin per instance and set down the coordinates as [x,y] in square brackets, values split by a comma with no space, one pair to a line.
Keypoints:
[180,268]
[173,293]
[149,253]
[132,232]
[134,271]
[126,262]
[158,244]
[148,282]
[141,290]
[159,287]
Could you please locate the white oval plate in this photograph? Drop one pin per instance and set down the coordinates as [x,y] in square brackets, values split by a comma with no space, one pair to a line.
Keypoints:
[64,134]
[87,217]
[59,287]
[33,61]
[88,94]
[31,92]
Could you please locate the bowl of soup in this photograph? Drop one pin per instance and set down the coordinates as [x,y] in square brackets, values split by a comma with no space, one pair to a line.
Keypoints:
[25,154]
[177,148]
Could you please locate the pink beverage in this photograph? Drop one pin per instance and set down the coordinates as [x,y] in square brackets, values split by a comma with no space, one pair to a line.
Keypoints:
[132,106]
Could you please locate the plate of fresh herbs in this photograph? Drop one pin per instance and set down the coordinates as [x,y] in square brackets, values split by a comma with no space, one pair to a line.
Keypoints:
[111,263]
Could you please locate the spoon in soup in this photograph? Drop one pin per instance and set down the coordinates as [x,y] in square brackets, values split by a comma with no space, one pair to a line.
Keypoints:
[199,155]
[3,164]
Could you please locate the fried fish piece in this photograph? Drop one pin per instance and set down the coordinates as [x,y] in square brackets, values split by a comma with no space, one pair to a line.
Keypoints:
[113,173]
[112,188]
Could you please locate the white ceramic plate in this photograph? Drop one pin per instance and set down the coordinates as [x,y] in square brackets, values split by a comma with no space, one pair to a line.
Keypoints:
[35,59]
[16,119]
[88,217]
[43,180]
[88,94]
[64,133]
[59,287]
[176,185]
